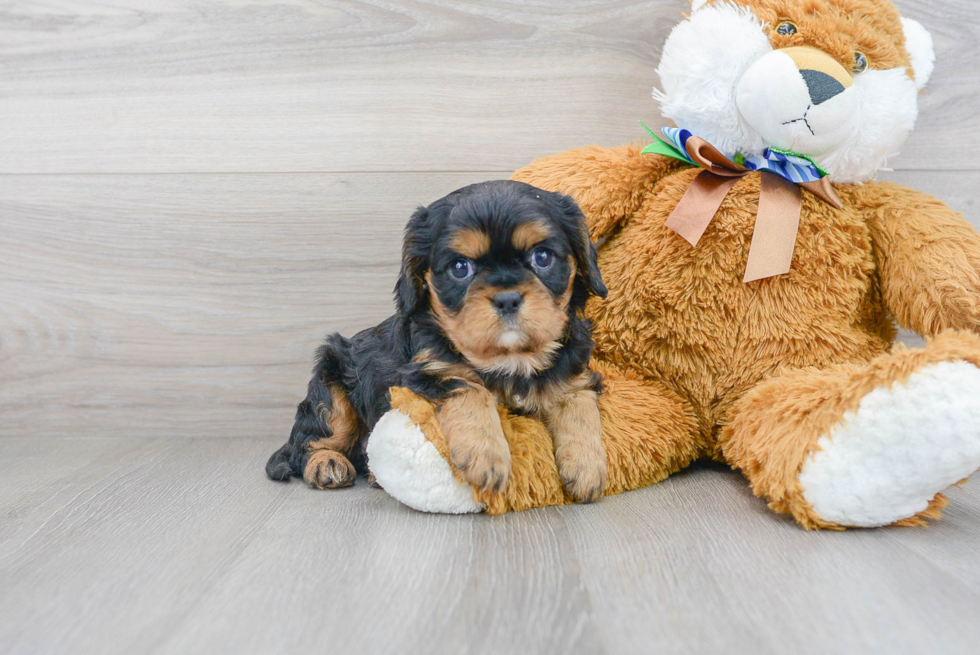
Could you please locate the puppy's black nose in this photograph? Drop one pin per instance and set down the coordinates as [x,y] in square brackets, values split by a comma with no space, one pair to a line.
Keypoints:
[508,302]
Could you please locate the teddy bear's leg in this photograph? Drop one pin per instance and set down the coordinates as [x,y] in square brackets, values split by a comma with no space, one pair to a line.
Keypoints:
[409,457]
[648,431]
[863,445]
[410,467]
[647,434]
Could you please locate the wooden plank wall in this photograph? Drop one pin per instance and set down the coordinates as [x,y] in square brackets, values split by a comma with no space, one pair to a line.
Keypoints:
[193,193]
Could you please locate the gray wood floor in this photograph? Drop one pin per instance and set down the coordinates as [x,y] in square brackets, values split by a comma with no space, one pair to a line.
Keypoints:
[192,193]
[157,545]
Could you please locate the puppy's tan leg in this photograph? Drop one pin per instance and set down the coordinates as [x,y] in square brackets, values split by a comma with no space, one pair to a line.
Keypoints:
[327,467]
[477,446]
[573,419]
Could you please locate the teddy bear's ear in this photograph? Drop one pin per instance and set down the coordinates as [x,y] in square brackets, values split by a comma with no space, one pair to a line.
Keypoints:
[918,43]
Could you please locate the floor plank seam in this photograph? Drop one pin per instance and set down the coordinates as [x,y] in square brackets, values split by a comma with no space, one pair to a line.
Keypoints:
[74,509]
[933,564]
[220,572]
[586,592]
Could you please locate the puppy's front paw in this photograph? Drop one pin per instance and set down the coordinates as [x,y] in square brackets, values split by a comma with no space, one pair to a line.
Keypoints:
[483,463]
[327,469]
[584,477]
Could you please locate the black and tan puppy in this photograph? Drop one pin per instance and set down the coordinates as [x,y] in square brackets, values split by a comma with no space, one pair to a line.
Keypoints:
[493,284]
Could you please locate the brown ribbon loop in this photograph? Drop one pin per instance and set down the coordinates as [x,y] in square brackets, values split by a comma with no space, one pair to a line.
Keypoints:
[710,158]
[824,190]
[777,221]
[776,225]
[699,205]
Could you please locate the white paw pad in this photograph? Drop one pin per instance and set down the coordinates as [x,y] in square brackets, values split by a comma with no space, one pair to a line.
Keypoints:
[410,469]
[887,460]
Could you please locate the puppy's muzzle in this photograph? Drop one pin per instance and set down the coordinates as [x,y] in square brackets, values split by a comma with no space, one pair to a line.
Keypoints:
[508,303]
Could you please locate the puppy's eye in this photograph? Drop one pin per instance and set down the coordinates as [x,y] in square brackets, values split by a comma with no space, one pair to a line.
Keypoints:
[861,63]
[542,258]
[461,269]
[787,28]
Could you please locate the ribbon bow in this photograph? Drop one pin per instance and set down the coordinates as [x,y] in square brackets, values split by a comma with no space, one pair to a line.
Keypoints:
[780,201]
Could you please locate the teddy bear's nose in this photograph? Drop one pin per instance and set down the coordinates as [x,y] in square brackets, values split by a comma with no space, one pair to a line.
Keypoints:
[822,87]
[825,78]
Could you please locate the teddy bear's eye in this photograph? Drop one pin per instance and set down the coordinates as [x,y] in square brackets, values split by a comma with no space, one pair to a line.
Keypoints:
[787,28]
[861,63]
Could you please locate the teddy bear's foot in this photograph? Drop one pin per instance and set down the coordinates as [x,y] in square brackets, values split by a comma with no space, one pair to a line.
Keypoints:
[886,461]
[410,468]
[863,445]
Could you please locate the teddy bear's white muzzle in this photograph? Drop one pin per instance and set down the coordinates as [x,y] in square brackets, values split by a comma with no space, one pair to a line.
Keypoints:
[802,110]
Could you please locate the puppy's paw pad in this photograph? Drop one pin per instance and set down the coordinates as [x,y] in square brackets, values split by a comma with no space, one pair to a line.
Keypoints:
[329,470]
[485,467]
[584,480]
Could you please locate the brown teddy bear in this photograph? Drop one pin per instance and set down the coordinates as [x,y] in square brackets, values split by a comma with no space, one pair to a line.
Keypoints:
[756,273]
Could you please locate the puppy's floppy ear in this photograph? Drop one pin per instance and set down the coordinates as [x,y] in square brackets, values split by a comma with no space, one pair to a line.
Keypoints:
[584,251]
[410,294]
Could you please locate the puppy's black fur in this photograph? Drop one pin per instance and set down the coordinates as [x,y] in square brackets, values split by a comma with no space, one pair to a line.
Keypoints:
[364,367]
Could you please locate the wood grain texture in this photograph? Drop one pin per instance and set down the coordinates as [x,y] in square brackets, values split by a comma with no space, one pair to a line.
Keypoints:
[192,194]
[172,305]
[108,556]
[122,545]
[701,546]
[188,304]
[298,85]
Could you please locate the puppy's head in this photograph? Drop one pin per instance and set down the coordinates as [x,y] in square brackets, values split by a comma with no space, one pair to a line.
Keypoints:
[501,266]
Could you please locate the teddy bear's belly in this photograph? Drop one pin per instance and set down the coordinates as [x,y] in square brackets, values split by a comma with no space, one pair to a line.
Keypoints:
[682,314]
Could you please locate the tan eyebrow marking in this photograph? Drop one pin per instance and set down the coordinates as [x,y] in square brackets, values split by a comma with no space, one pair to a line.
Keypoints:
[527,235]
[470,243]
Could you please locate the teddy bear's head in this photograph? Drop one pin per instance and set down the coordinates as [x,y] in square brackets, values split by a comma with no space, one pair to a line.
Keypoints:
[835,80]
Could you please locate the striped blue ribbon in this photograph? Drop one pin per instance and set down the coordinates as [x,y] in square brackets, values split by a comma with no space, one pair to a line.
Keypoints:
[795,168]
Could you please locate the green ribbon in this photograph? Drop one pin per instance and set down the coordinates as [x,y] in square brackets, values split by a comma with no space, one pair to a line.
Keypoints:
[661,147]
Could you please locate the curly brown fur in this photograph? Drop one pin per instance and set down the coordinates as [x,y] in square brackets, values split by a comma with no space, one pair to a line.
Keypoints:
[697,363]
[829,26]
[893,253]
[490,304]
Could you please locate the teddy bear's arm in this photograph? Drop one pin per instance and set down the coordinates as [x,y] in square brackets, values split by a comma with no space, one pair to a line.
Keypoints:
[609,184]
[928,258]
